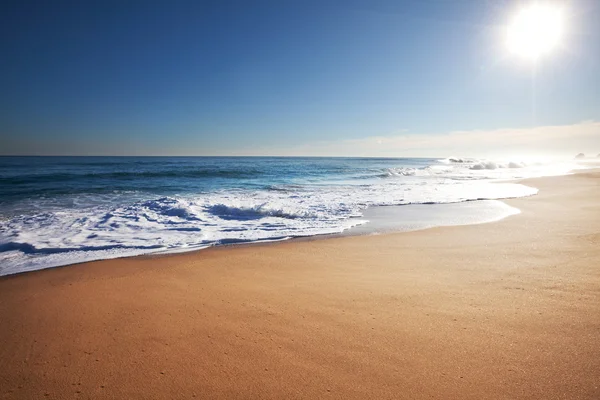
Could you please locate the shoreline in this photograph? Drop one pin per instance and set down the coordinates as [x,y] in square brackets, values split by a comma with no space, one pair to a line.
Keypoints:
[365,229]
[509,309]
[30,249]
[351,232]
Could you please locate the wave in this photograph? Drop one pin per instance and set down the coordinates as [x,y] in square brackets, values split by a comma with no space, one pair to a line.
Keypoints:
[491,165]
[454,168]
[456,160]
[397,172]
[249,213]
[168,207]
[126,175]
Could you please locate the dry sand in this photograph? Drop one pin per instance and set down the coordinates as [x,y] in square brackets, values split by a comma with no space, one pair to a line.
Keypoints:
[507,310]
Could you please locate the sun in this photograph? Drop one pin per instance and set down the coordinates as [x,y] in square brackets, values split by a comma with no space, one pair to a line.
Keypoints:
[535,30]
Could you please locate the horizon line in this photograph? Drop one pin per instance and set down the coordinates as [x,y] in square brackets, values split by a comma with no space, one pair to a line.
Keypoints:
[214,156]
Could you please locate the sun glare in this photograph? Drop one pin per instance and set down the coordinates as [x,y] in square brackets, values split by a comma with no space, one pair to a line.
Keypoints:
[535,30]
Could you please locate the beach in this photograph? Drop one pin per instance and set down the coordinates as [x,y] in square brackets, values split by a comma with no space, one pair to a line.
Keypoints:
[503,310]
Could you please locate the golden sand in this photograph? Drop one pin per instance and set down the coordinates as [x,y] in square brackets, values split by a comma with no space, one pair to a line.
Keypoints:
[506,310]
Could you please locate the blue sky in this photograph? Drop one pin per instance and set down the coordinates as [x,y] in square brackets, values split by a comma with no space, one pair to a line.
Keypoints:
[287,77]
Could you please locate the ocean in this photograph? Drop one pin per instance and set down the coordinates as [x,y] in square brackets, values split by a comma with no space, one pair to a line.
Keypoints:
[62,210]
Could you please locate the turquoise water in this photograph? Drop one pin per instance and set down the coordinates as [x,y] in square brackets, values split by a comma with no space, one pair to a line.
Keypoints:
[61,210]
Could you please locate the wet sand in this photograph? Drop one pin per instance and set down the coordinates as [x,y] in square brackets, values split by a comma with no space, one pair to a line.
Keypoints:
[504,310]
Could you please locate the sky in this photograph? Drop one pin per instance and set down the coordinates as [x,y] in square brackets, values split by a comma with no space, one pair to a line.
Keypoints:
[327,78]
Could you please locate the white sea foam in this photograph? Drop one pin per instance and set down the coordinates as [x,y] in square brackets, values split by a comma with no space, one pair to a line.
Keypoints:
[101,230]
